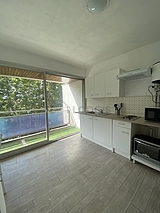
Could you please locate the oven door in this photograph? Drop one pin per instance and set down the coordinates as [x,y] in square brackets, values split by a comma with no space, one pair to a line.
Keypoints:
[147,150]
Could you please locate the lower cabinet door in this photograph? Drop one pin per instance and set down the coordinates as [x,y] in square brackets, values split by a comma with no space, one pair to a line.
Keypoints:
[102,131]
[121,141]
[86,126]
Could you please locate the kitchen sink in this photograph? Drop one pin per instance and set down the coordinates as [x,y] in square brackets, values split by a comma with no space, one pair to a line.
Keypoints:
[97,113]
[91,112]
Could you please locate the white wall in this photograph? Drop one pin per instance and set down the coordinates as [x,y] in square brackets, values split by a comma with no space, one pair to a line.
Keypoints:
[72,97]
[139,58]
[10,56]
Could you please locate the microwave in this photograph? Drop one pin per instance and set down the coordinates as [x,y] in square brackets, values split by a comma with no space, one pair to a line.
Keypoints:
[152,114]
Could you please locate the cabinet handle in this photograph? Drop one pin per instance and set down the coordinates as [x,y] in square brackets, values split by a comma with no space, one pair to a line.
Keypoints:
[121,123]
[97,94]
[125,132]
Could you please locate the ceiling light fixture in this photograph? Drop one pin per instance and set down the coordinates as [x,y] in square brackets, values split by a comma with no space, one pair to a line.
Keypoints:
[96,6]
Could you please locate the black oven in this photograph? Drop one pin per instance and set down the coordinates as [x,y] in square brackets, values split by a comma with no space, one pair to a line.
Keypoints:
[152,114]
[147,147]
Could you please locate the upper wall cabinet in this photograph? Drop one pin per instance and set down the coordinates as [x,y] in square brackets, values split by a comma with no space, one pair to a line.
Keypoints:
[99,85]
[104,85]
[95,86]
[89,87]
[114,87]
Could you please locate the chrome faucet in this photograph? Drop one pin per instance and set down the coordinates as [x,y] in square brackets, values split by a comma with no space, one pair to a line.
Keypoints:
[99,110]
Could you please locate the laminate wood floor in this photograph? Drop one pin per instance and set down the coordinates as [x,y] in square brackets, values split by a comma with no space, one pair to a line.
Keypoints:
[77,176]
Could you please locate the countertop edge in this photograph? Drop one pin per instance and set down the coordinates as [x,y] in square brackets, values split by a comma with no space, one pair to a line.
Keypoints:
[140,120]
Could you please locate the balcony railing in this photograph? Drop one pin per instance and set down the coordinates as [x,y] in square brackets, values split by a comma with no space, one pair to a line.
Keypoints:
[28,127]
[31,122]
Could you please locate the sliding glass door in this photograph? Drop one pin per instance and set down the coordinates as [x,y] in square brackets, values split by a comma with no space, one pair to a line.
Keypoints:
[36,108]
[22,112]
[59,113]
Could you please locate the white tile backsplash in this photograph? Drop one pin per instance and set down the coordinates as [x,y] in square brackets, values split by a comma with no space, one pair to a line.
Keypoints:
[131,105]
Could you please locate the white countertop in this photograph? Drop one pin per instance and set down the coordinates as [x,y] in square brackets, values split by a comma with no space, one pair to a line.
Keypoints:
[139,120]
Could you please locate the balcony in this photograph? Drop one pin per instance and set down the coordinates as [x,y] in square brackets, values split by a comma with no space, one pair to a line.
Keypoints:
[28,129]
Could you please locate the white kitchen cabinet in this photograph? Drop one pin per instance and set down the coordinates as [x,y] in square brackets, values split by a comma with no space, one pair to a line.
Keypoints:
[86,126]
[104,85]
[95,86]
[99,85]
[123,133]
[96,129]
[122,138]
[114,87]
[102,132]
[89,87]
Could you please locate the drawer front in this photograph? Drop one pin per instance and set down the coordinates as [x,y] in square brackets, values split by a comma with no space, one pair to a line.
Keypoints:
[122,124]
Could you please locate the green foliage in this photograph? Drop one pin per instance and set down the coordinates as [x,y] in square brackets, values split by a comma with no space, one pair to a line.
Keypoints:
[54,95]
[25,94]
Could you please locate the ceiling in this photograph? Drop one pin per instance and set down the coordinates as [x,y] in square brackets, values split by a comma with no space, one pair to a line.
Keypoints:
[14,72]
[65,31]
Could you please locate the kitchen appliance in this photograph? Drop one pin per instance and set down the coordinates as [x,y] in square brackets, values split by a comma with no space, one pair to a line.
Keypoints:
[135,74]
[152,114]
[130,117]
[156,73]
[147,147]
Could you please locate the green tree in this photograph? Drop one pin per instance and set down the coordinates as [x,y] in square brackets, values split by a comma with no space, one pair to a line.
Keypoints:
[54,95]
[25,94]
